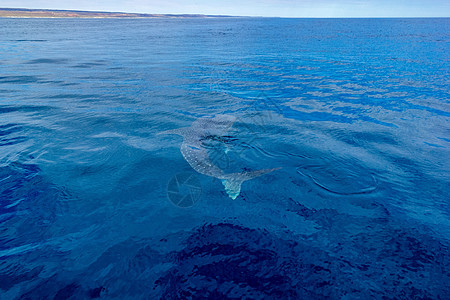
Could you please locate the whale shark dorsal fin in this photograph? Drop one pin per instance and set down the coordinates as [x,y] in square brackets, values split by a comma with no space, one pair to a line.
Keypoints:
[234,181]
[178,131]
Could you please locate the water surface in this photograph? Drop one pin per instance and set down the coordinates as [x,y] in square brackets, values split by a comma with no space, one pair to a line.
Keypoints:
[355,111]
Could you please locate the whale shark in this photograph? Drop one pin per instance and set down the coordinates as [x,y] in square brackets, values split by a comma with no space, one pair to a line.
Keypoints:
[196,155]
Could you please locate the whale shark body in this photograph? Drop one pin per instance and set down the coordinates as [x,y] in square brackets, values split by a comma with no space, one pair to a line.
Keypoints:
[196,155]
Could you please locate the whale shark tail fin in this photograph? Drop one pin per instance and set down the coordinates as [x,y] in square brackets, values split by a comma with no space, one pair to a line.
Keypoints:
[179,131]
[234,181]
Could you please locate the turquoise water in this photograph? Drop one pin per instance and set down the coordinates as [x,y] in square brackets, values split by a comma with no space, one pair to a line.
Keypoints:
[95,204]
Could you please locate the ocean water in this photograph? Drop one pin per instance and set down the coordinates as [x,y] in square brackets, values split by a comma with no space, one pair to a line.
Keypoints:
[95,204]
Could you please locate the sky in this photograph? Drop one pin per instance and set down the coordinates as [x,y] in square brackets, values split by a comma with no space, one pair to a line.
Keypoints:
[267,8]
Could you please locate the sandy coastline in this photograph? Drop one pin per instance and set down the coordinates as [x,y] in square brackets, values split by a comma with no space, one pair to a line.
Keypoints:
[44,13]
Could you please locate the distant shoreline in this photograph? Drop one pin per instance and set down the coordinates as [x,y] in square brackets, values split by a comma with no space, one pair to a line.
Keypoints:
[25,13]
[77,14]
[124,18]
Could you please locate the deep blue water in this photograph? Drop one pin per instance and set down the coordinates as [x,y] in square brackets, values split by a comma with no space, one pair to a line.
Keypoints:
[356,112]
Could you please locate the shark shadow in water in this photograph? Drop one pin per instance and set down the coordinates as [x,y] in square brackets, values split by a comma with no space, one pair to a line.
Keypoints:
[196,155]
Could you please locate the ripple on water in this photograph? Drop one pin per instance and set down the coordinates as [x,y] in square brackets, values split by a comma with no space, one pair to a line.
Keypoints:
[29,204]
[11,134]
[339,176]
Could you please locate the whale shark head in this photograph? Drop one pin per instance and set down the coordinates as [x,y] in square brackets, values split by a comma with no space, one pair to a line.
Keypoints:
[215,126]
[178,131]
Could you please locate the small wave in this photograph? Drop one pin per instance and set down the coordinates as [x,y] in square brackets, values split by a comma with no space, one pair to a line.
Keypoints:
[48,61]
[28,40]
[20,79]
[89,65]
[23,108]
